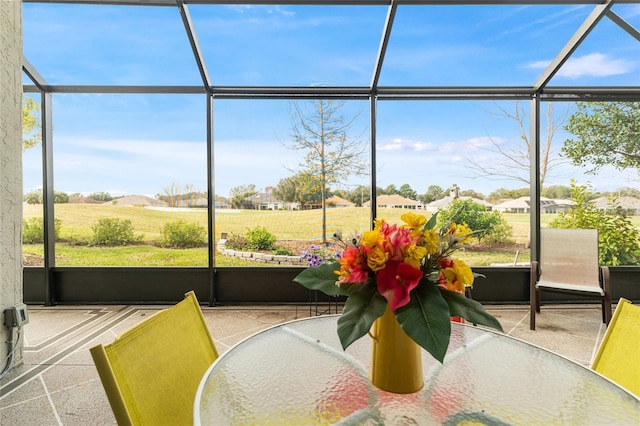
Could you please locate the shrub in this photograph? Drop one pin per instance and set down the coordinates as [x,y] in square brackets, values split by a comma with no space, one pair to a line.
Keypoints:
[182,234]
[619,239]
[494,228]
[60,197]
[260,239]
[283,251]
[236,242]
[33,230]
[100,196]
[113,232]
[33,197]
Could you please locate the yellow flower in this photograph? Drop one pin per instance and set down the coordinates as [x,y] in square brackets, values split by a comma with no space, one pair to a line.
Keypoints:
[461,231]
[414,255]
[463,272]
[413,221]
[371,238]
[377,223]
[377,258]
[430,240]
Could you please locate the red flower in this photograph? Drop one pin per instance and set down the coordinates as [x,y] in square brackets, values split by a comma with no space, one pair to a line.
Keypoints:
[396,281]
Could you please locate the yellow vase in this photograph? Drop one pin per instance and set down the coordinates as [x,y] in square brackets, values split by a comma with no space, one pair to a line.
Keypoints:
[396,362]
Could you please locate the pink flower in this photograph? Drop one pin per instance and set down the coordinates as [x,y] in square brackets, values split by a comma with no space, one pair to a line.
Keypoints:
[396,281]
[399,240]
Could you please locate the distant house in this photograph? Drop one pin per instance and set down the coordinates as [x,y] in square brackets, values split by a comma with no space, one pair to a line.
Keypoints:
[396,201]
[267,201]
[630,205]
[523,205]
[335,201]
[222,203]
[193,202]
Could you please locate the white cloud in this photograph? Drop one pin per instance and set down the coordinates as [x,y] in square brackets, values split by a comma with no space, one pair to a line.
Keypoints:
[405,146]
[592,65]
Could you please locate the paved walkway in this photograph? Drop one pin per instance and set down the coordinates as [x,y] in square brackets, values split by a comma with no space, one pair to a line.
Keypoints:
[58,383]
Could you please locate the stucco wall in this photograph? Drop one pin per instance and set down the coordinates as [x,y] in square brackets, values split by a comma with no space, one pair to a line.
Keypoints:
[10,164]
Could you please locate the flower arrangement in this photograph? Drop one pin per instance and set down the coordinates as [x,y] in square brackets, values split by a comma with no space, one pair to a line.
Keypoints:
[410,269]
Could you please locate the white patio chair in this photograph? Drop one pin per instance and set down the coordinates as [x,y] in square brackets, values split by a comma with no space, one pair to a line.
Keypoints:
[569,264]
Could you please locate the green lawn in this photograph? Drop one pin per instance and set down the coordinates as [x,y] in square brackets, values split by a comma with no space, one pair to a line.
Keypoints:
[77,220]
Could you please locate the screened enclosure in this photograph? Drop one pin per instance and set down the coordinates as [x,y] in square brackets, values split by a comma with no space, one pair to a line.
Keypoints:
[188,129]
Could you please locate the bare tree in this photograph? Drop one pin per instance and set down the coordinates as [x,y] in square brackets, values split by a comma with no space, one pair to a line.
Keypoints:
[511,160]
[331,154]
[172,194]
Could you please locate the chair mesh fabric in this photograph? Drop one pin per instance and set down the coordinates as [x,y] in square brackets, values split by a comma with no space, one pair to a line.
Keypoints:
[158,364]
[618,356]
[569,257]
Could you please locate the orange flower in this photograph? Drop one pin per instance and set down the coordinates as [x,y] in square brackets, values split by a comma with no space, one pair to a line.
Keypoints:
[352,267]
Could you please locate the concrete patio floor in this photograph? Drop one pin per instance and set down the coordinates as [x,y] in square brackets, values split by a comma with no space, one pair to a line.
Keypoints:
[58,383]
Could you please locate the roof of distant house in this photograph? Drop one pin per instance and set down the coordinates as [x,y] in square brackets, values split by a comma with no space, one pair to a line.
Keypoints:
[624,202]
[83,200]
[338,201]
[525,203]
[394,200]
[444,202]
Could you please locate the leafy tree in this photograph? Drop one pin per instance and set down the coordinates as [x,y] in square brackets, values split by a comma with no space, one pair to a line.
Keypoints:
[359,195]
[509,193]
[239,193]
[472,193]
[510,160]
[60,197]
[390,190]
[492,226]
[607,133]
[31,127]
[628,192]
[331,155]
[556,191]
[301,188]
[434,192]
[407,192]
[100,196]
[619,239]
[35,197]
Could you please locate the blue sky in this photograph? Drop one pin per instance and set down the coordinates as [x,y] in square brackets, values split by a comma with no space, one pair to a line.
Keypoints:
[139,144]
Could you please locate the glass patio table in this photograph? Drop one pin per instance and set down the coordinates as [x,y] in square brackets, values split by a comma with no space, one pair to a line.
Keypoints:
[298,373]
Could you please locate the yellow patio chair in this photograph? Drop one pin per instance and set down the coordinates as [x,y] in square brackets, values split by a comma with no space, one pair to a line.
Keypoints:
[151,372]
[618,356]
[569,264]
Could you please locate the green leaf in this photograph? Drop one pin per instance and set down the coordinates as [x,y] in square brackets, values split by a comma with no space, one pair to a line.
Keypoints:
[431,223]
[426,319]
[361,309]
[469,309]
[321,278]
